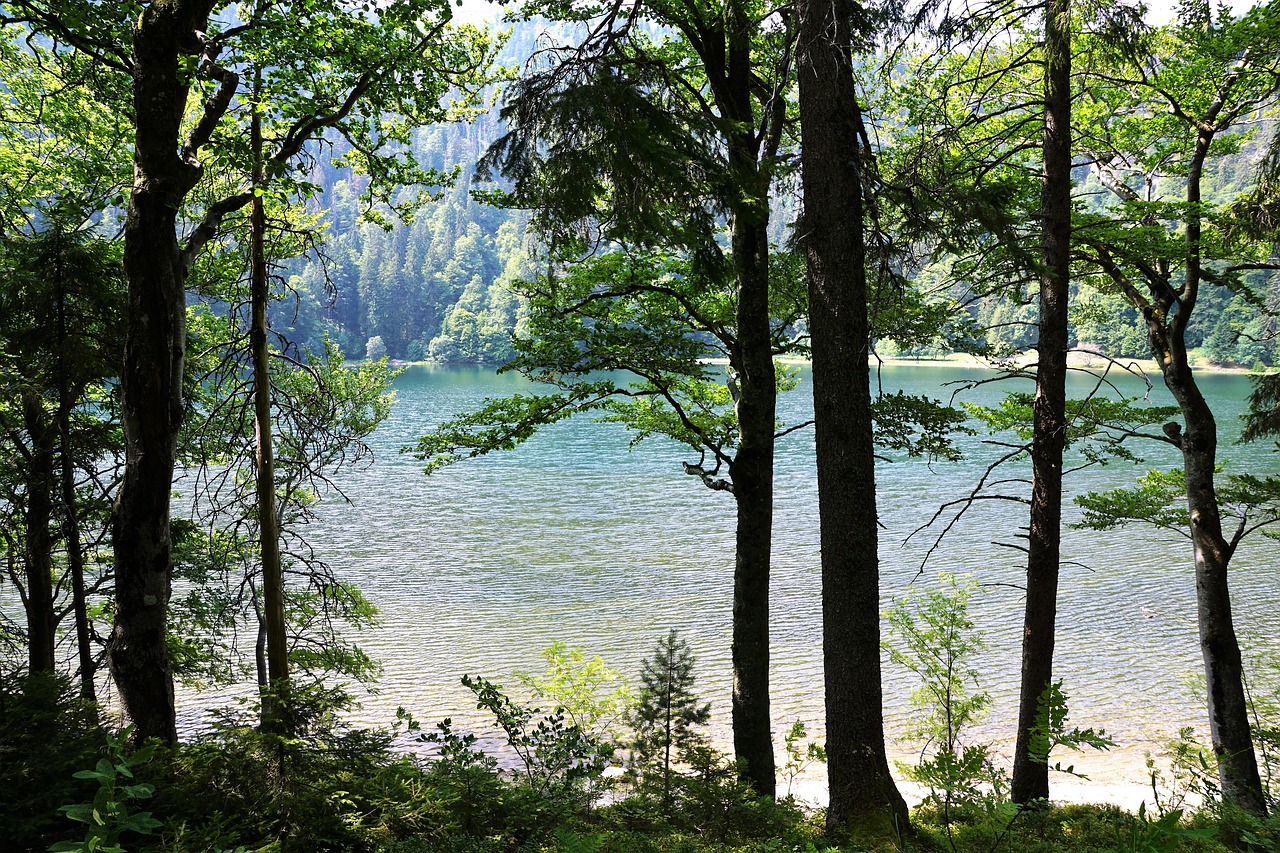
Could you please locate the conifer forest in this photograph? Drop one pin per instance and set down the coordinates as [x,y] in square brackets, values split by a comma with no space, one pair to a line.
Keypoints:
[669,426]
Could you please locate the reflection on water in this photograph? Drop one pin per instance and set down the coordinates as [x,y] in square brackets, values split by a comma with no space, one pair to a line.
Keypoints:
[478,568]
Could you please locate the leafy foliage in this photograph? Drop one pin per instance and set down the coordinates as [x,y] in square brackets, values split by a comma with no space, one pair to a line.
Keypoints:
[329,786]
[1158,499]
[47,733]
[1050,730]
[592,696]
[555,752]
[109,816]
[932,636]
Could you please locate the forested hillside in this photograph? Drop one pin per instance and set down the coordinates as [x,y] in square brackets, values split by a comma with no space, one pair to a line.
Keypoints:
[432,289]
[437,289]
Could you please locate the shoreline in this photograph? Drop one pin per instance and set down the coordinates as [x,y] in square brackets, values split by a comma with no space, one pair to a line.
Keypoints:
[1076,359]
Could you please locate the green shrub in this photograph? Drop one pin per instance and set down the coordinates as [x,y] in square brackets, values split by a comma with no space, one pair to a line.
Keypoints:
[110,816]
[47,734]
[326,787]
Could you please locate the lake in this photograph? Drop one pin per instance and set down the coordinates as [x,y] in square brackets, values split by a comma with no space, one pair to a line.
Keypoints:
[573,537]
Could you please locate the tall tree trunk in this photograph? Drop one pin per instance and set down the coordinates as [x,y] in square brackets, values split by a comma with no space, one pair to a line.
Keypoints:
[752,474]
[42,621]
[75,558]
[864,797]
[70,505]
[268,526]
[1031,773]
[1223,668]
[752,467]
[1198,440]
[151,380]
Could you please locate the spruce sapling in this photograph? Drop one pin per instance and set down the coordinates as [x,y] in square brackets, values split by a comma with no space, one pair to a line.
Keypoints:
[667,713]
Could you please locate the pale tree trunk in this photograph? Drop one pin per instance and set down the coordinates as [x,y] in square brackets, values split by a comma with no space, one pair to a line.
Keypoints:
[1224,672]
[1031,773]
[864,797]
[1198,439]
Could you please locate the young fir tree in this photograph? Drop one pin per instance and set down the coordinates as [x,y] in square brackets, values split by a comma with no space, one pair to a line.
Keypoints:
[667,713]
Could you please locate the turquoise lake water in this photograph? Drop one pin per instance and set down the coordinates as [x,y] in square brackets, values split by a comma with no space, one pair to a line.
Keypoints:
[478,568]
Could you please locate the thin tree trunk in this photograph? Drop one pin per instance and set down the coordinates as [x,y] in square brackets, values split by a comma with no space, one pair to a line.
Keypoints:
[752,474]
[151,380]
[752,469]
[1030,772]
[1219,647]
[1224,671]
[38,542]
[75,562]
[268,526]
[864,798]
[70,506]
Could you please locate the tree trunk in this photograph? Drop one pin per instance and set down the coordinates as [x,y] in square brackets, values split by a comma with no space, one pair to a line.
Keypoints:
[864,798]
[1031,773]
[75,562]
[268,526]
[752,469]
[151,380]
[42,621]
[1224,671]
[70,505]
[752,474]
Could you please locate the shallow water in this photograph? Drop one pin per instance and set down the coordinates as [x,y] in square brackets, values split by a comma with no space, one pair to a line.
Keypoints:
[479,567]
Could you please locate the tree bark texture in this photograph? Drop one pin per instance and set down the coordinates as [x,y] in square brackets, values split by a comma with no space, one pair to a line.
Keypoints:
[1031,774]
[1224,671]
[752,475]
[151,381]
[42,621]
[1219,647]
[75,560]
[863,794]
[752,468]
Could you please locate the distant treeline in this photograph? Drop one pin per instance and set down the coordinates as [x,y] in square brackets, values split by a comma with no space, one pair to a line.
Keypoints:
[437,289]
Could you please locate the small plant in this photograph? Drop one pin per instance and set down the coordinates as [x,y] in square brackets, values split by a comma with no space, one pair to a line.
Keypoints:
[464,779]
[1162,835]
[1262,692]
[668,715]
[931,635]
[592,696]
[800,754]
[108,817]
[47,733]
[1050,731]
[327,786]
[1193,775]
[554,751]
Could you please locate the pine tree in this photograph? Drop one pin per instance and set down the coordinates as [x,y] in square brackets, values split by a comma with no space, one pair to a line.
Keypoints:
[668,712]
